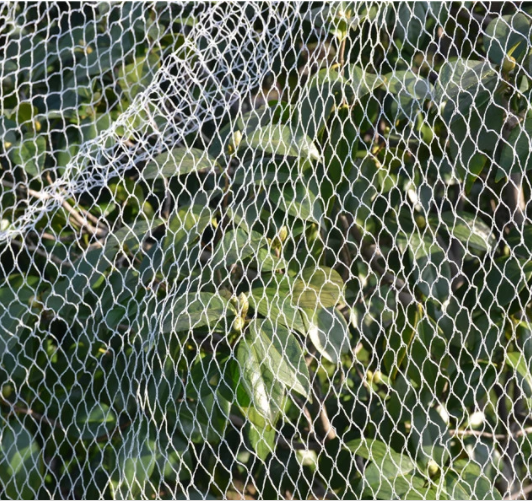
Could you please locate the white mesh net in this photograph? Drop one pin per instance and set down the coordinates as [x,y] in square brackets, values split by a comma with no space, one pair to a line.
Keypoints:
[265,250]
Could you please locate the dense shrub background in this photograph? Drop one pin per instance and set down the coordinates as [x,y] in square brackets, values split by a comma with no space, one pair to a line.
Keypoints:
[322,292]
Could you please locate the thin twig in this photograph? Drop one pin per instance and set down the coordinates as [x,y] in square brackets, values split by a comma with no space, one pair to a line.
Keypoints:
[306,413]
[42,253]
[520,494]
[81,220]
[495,436]
[342,53]
[30,412]
[288,444]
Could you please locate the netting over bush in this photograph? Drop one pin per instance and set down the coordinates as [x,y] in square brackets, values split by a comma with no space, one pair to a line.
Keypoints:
[265,250]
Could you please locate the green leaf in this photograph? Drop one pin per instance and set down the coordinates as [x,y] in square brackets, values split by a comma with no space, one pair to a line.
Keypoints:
[87,271]
[204,420]
[273,301]
[503,282]
[177,162]
[130,237]
[282,140]
[184,231]
[92,420]
[431,269]
[264,390]
[515,153]
[318,287]
[474,169]
[137,76]
[358,194]
[430,437]
[409,91]
[339,156]
[92,127]
[297,200]
[261,439]
[361,82]
[520,241]
[425,357]
[462,75]
[409,21]
[281,353]
[400,335]
[268,261]
[342,146]
[391,464]
[518,362]
[468,486]
[135,464]
[16,299]
[379,484]
[21,462]
[237,245]
[337,18]
[469,384]
[163,386]
[25,113]
[468,228]
[191,311]
[174,460]
[504,33]
[265,171]
[30,153]
[328,331]
[316,102]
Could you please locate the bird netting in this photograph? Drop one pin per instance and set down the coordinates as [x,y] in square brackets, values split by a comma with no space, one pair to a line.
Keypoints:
[265,250]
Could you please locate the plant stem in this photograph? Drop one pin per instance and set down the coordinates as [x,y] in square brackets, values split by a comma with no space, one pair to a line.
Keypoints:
[341,59]
[225,202]
[30,412]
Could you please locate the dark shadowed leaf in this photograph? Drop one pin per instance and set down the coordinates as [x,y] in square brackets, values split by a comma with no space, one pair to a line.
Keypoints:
[503,282]
[430,438]
[469,229]
[515,153]
[504,33]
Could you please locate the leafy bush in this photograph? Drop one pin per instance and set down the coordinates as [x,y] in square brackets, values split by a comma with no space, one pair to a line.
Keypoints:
[324,295]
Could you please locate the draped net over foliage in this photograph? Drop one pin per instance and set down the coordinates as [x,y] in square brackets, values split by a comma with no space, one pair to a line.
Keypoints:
[265,250]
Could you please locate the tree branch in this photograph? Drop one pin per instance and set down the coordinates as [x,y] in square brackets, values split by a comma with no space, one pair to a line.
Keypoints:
[494,436]
[520,494]
[30,412]
[81,220]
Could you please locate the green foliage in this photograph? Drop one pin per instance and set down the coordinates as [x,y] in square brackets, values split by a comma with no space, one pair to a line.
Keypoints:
[345,251]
